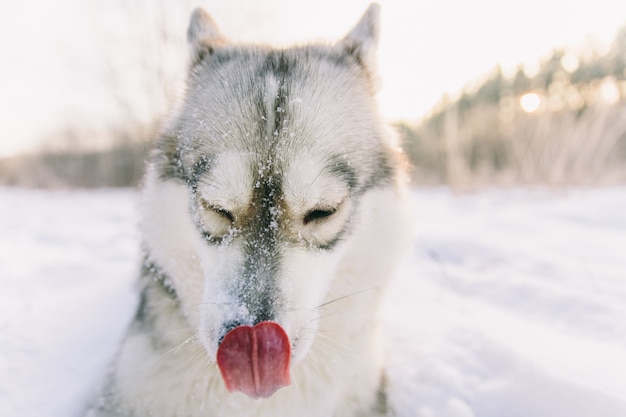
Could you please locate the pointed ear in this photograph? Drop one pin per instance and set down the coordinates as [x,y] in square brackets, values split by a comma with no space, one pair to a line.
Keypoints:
[203,36]
[362,41]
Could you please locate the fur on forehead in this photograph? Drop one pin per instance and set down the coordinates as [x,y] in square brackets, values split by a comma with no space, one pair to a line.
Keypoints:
[276,117]
[279,93]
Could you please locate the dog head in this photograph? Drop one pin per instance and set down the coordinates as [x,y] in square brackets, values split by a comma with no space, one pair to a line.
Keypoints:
[256,184]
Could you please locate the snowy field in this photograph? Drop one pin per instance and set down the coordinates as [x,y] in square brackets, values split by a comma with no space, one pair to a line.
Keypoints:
[513,303]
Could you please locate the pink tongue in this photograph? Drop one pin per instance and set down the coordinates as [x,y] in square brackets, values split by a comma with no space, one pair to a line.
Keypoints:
[255,360]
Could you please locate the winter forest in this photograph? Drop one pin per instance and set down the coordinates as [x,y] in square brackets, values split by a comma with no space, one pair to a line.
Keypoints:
[564,124]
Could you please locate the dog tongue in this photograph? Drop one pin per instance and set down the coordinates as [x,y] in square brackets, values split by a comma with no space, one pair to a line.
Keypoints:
[255,360]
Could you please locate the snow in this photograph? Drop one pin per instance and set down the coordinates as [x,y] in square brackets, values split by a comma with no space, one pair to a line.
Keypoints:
[66,265]
[511,305]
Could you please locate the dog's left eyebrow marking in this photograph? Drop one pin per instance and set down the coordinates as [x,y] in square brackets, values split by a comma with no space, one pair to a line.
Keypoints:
[202,165]
[339,166]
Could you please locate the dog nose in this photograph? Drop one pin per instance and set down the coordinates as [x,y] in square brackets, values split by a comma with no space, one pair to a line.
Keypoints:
[227,327]
[261,315]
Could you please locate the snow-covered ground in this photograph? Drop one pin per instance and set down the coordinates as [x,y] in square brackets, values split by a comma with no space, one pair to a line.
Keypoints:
[513,303]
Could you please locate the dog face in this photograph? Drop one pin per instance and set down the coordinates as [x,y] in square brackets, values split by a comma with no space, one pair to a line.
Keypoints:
[270,244]
[256,186]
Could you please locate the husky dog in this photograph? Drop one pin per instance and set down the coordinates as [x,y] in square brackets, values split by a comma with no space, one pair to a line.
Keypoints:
[273,215]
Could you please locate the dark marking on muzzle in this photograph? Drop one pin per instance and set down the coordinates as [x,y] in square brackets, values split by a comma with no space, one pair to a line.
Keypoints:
[258,286]
[227,327]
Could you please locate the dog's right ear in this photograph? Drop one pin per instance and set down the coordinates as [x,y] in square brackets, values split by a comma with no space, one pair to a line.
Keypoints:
[362,41]
[203,36]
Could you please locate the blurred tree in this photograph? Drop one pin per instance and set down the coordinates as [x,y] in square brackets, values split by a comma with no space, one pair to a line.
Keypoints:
[521,83]
[618,52]
[551,68]
[491,90]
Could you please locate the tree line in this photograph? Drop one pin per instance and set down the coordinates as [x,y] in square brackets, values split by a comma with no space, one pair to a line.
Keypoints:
[564,124]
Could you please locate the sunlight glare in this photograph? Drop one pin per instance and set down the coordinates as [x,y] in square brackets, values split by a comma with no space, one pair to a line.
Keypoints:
[609,92]
[530,102]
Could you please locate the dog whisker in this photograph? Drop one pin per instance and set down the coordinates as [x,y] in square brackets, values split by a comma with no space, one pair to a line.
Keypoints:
[344,297]
[329,343]
[176,349]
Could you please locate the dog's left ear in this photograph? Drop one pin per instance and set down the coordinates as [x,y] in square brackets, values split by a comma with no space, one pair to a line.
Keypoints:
[362,41]
[203,36]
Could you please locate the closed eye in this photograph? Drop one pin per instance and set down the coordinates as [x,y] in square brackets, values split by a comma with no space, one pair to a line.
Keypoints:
[317,215]
[225,214]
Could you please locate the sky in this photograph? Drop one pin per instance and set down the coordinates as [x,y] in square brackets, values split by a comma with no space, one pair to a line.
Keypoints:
[58,56]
